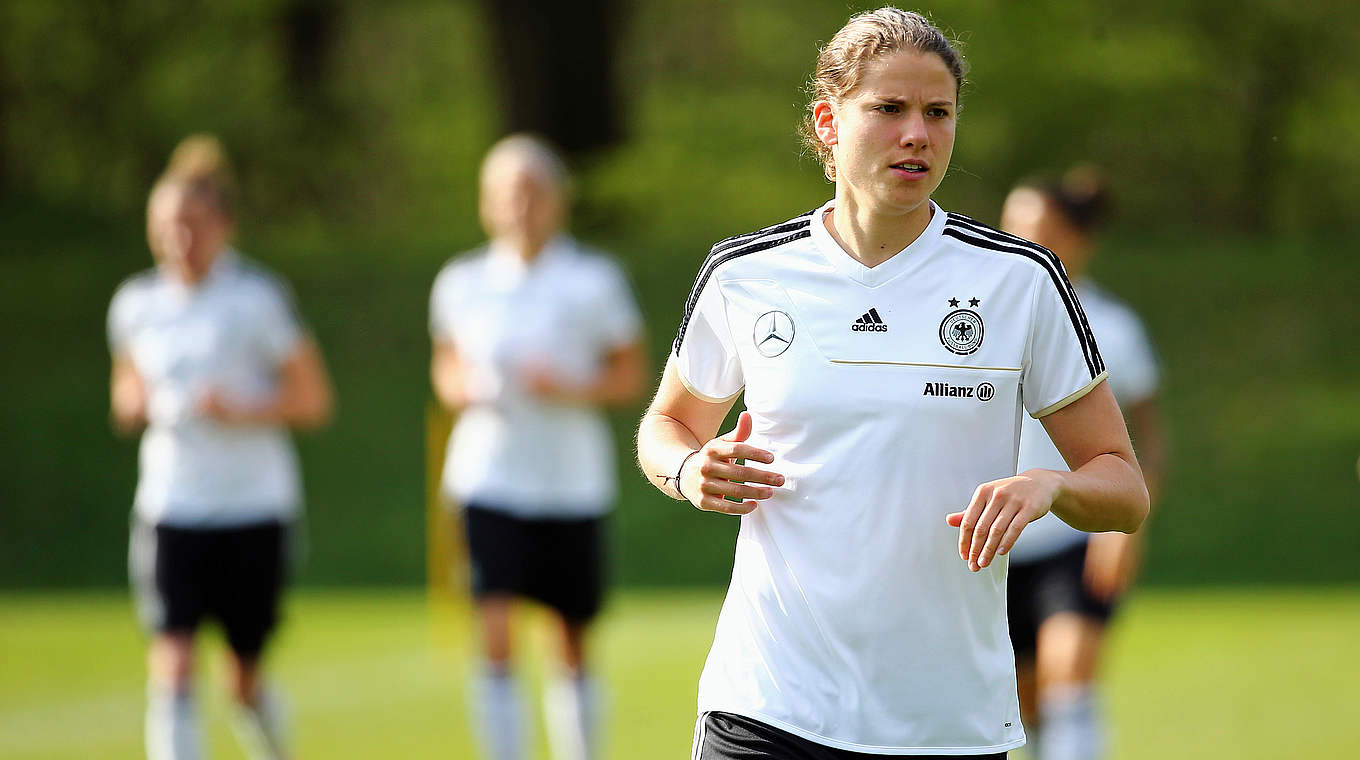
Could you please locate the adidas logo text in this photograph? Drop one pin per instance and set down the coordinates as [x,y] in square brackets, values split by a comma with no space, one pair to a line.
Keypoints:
[870,322]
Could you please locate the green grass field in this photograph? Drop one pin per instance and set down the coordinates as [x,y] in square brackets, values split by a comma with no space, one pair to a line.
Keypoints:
[1192,674]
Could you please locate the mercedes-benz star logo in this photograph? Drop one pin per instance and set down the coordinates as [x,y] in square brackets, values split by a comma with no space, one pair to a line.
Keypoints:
[773,333]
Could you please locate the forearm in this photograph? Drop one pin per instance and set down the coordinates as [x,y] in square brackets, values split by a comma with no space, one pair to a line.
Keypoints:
[452,379]
[303,398]
[128,410]
[1149,438]
[1153,461]
[128,424]
[298,410]
[127,398]
[619,381]
[613,387]
[663,442]
[1107,493]
[451,388]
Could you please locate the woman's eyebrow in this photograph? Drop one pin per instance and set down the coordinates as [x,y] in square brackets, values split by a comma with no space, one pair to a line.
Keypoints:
[900,100]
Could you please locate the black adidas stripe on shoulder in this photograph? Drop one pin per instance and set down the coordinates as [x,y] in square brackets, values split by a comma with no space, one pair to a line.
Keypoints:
[736,246]
[738,240]
[977,234]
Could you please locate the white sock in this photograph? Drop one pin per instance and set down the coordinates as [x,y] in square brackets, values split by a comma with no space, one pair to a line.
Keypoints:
[172,731]
[262,728]
[498,714]
[571,710]
[1071,728]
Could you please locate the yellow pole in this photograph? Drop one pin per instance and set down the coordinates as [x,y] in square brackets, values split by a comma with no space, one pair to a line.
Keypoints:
[445,548]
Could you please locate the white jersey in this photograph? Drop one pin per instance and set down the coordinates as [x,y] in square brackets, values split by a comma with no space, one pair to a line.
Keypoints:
[564,312]
[887,394]
[1133,379]
[229,333]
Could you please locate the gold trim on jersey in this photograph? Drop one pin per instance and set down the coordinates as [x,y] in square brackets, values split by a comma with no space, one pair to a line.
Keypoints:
[1071,397]
[925,364]
[705,396]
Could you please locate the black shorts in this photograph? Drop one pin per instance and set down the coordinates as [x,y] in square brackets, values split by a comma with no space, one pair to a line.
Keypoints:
[234,575]
[559,562]
[724,736]
[1036,591]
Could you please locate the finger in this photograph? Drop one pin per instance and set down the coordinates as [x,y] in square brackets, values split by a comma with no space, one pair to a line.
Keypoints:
[743,429]
[1012,535]
[983,529]
[953,519]
[735,491]
[719,477]
[971,513]
[1005,519]
[718,504]
[742,473]
[734,450]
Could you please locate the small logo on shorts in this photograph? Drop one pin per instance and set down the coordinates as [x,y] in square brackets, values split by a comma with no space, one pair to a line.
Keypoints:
[961,331]
[773,333]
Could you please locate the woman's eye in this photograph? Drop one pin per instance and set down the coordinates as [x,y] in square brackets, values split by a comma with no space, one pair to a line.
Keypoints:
[888,108]
[938,113]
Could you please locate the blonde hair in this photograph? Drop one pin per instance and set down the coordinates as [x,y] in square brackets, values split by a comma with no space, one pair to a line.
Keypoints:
[200,162]
[524,149]
[199,167]
[865,37]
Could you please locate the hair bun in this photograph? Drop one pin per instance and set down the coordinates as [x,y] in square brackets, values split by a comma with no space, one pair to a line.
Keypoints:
[1084,196]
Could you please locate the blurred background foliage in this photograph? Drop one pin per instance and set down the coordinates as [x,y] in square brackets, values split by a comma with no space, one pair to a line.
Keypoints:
[1231,132]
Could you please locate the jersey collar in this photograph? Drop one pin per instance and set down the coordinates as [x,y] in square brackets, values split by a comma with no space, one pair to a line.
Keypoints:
[226,260]
[903,261]
[506,267]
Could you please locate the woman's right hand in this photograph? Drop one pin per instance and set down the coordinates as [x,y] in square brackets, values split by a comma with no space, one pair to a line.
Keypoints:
[707,476]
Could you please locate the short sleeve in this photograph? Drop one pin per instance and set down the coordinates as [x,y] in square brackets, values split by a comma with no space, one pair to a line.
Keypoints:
[705,356]
[1135,375]
[442,300]
[122,314]
[1062,362]
[622,322]
[278,327]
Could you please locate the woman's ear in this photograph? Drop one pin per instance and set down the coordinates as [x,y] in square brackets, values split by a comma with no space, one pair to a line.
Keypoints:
[824,122]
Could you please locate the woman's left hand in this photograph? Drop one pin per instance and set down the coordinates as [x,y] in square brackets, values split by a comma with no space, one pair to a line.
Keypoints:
[542,381]
[1000,509]
[216,406]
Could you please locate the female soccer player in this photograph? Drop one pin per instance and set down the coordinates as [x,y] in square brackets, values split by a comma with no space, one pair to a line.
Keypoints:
[886,350]
[209,357]
[533,334]
[1064,583]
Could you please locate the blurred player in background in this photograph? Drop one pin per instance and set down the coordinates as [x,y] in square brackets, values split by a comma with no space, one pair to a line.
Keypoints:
[211,360]
[533,334]
[1064,583]
[885,350]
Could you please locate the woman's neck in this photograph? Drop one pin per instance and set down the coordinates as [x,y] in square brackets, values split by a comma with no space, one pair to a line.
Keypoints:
[870,236]
[526,249]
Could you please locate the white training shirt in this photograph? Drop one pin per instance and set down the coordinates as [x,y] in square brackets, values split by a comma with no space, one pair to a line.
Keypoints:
[230,332]
[886,394]
[1133,379]
[565,312]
